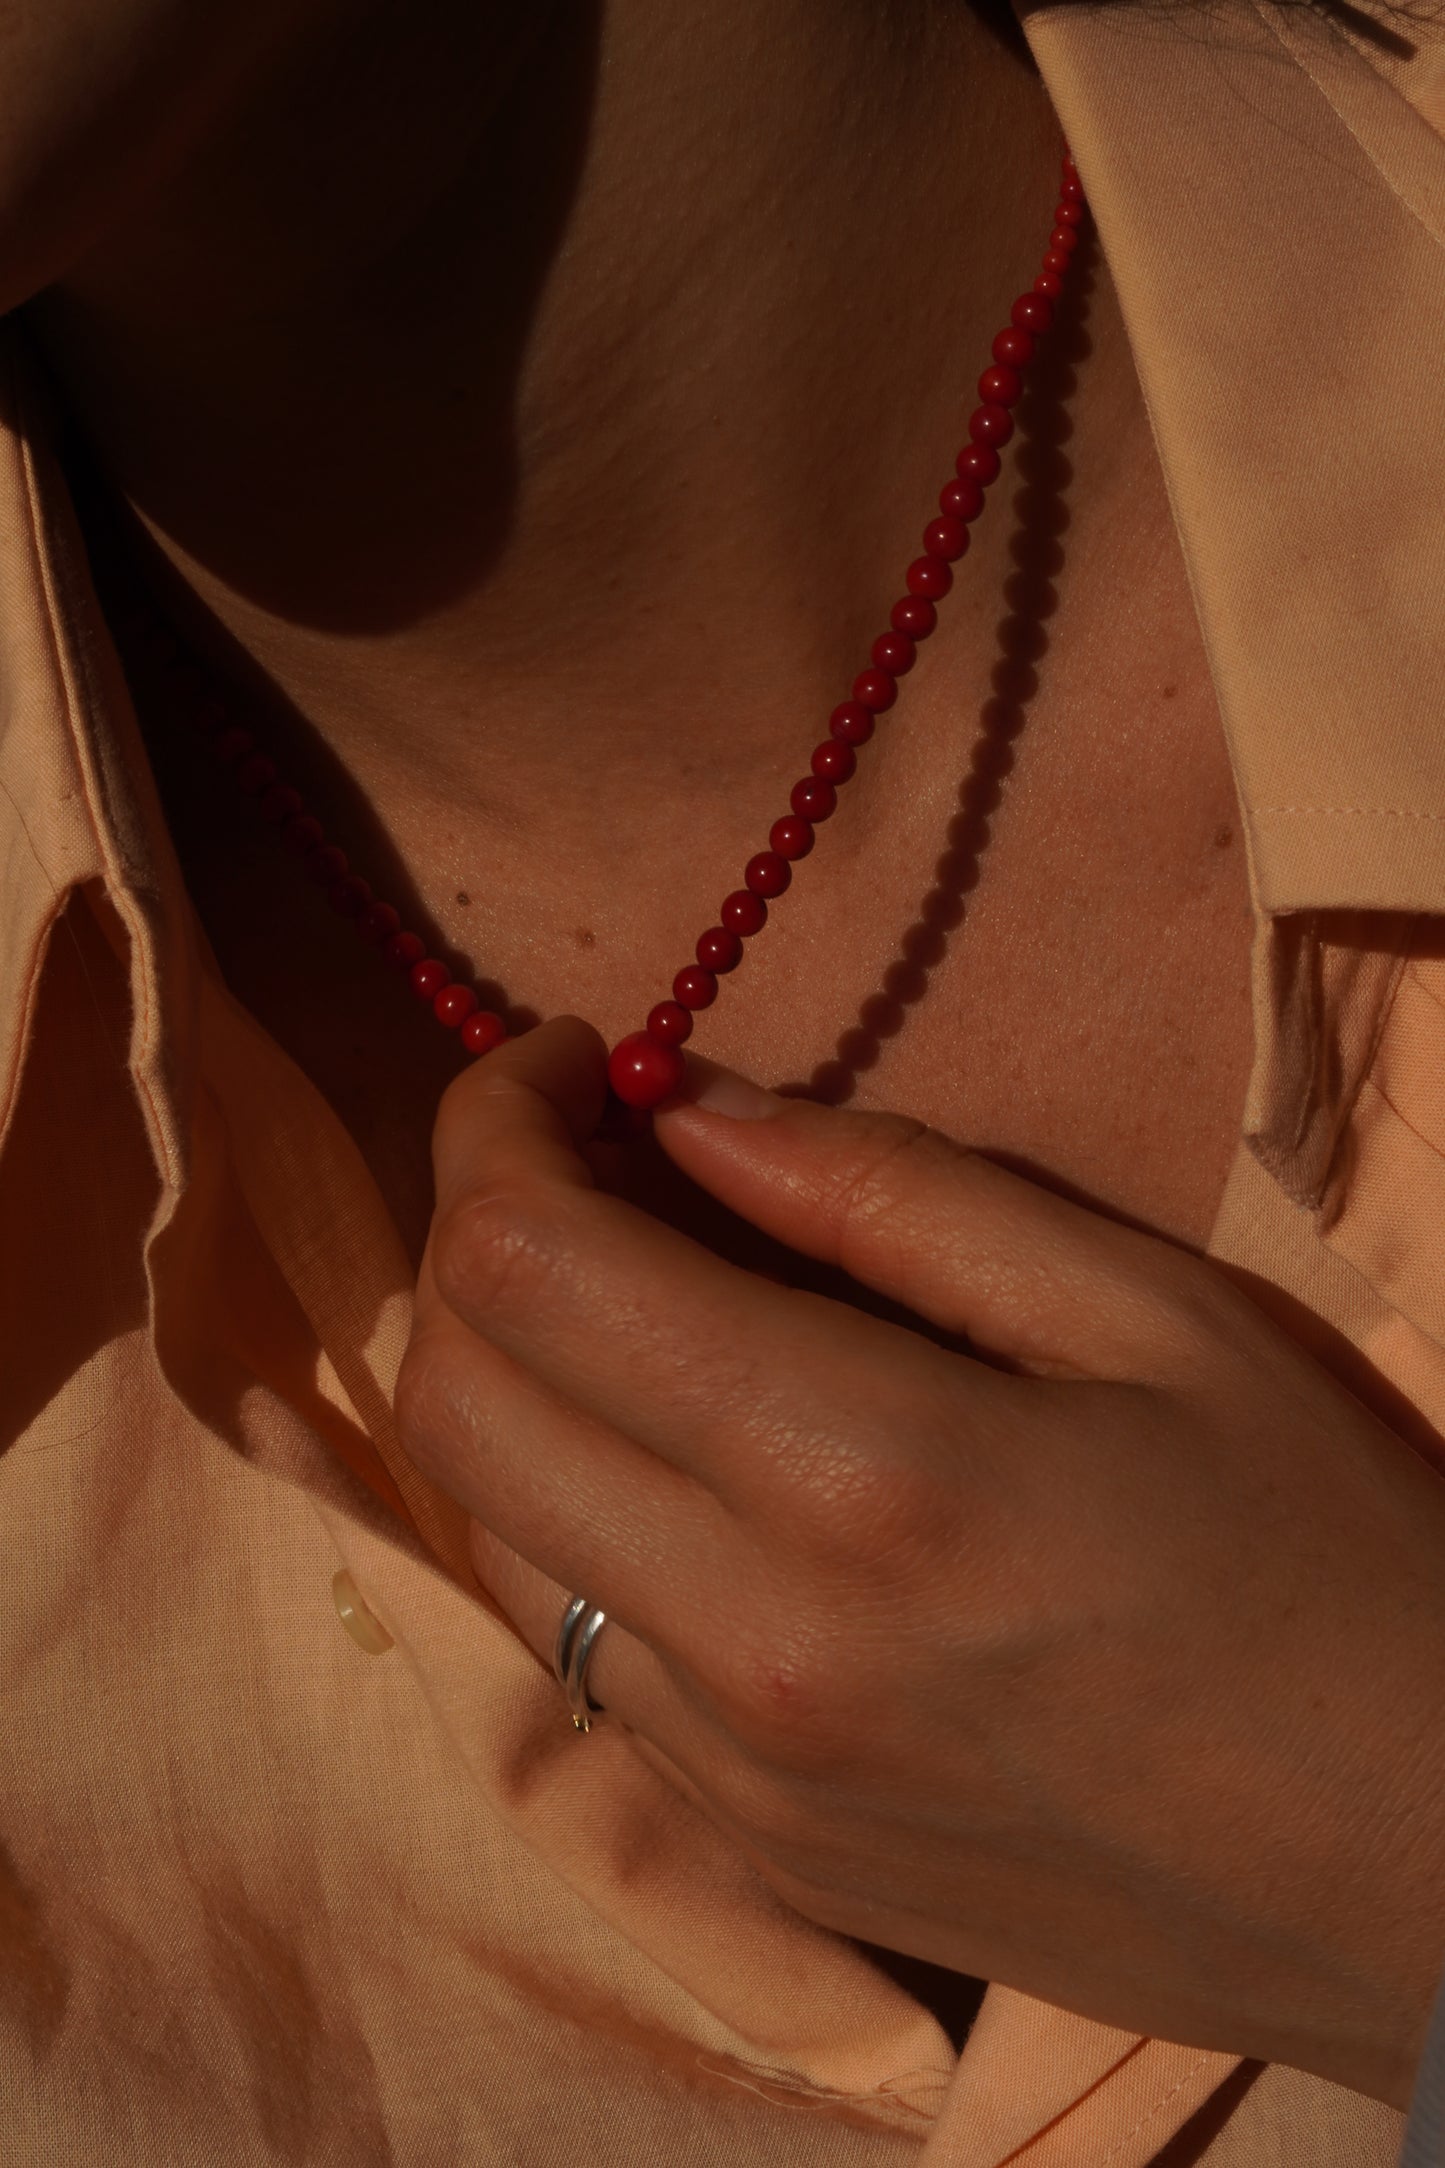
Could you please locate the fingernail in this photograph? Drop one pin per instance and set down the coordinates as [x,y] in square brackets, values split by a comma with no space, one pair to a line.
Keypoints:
[723,1091]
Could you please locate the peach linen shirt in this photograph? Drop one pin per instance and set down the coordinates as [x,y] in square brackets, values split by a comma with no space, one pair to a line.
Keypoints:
[279,1889]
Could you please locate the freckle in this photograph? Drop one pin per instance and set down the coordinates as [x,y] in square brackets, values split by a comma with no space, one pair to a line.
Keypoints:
[462,897]
[1167,692]
[585,937]
[1222,836]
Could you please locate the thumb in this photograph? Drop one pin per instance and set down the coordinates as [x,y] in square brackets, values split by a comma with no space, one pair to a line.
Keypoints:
[915,1215]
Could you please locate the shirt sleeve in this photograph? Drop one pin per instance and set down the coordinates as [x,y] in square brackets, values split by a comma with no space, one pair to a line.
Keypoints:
[1424,2145]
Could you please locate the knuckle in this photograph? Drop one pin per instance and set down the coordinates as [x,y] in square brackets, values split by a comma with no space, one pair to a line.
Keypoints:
[492,1247]
[864,1506]
[882,1515]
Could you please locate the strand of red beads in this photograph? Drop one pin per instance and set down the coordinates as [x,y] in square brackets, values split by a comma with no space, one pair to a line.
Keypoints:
[647,1066]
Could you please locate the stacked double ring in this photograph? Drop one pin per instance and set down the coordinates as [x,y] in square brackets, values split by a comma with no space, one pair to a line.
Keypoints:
[581,1624]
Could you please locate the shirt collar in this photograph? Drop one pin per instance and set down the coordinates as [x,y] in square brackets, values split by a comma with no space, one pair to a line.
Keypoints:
[1271,200]
[78,803]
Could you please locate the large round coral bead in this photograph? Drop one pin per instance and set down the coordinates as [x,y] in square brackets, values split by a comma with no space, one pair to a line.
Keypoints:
[642,1073]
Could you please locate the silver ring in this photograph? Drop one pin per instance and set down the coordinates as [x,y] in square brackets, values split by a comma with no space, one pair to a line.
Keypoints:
[581,1624]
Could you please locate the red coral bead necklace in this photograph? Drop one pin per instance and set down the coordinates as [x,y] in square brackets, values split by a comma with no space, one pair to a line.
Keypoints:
[647,1066]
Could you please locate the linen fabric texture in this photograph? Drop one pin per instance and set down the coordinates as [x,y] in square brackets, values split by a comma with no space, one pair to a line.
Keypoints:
[267,1897]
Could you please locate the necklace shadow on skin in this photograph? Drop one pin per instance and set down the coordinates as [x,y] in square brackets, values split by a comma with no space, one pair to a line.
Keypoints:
[1036,549]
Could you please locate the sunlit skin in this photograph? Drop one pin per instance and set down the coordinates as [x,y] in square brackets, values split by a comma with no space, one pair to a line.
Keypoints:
[533,409]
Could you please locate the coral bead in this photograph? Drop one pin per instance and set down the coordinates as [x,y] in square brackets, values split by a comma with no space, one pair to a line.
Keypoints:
[669,1023]
[767,875]
[232,743]
[482,1031]
[979,463]
[812,798]
[1031,312]
[1063,240]
[302,834]
[1069,210]
[1049,284]
[946,538]
[851,722]
[1056,262]
[875,689]
[350,896]
[694,987]
[643,1072]
[928,576]
[255,772]
[744,912]
[914,615]
[1013,348]
[328,865]
[453,1005]
[1071,188]
[791,837]
[1000,386]
[378,922]
[278,802]
[962,499]
[403,950]
[895,653]
[719,949]
[834,760]
[990,425]
[428,978]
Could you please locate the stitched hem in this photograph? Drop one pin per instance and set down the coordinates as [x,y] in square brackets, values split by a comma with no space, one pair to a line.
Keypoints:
[1149,2114]
[1371,812]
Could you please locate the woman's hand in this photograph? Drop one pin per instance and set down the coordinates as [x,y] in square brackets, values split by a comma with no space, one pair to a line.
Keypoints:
[1107,1663]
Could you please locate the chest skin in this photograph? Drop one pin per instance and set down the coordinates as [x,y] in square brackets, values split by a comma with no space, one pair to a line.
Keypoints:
[1085,1020]
[1055,971]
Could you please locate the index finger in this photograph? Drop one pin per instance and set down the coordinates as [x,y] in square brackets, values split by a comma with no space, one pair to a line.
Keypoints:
[524,1110]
